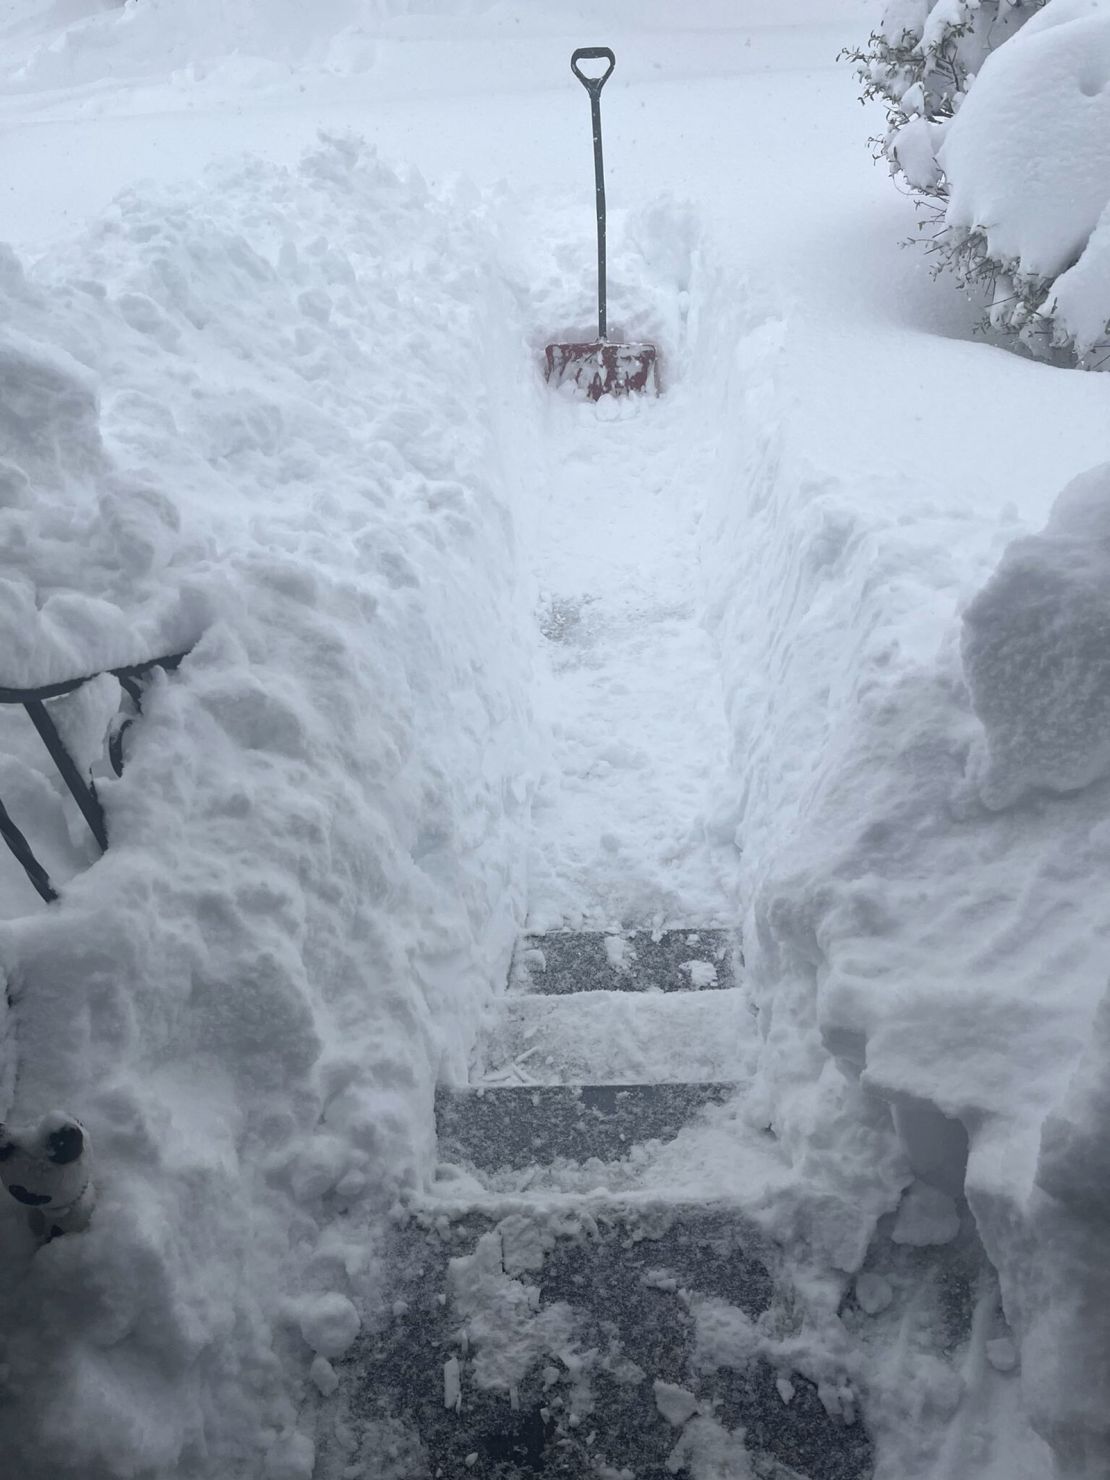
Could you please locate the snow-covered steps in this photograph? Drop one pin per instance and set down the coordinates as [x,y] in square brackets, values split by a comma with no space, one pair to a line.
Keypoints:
[519,1126]
[625,961]
[586,1332]
[618,1038]
[636,1340]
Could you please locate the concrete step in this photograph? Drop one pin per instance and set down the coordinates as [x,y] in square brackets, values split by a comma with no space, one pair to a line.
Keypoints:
[520,1125]
[625,961]
[619,1038]
[625,1341]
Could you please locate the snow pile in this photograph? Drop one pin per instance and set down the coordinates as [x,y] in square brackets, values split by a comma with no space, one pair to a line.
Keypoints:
[128,603]
[1066,1293]
[928,963]
[1036,652]
[1027,163]
[265,417]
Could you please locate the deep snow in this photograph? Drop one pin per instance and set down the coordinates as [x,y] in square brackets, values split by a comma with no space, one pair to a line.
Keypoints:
[230,430]
[294,412]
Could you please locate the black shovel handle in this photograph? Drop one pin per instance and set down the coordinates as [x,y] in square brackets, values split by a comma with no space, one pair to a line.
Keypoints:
[593,86]
[592,54]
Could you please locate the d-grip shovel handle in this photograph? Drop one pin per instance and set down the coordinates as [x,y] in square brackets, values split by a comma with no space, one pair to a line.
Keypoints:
[593,85]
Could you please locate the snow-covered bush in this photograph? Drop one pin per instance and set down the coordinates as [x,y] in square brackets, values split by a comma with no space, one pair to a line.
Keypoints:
[1015,173]
[1027,171]
[920,63]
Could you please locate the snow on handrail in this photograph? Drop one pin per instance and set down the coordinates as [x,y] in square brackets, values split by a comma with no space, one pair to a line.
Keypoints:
[131,678]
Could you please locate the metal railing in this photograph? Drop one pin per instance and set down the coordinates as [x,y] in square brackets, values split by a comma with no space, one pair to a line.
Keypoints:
[132,679]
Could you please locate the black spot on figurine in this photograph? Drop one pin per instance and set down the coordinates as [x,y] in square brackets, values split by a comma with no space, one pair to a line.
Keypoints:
[28,1199]
[65,1145]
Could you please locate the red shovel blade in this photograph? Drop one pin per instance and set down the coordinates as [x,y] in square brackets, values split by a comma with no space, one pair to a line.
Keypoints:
[604,369]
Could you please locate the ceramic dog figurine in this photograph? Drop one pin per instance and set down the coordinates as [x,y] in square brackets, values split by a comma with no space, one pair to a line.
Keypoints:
[48,1168]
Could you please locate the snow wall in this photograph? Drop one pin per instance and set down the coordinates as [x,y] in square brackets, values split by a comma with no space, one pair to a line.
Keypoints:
[263,416]
[926,837]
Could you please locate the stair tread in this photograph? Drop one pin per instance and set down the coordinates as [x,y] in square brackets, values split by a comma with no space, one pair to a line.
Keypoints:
[568,961]
[555,1344]
[491,1126]
[619,1038]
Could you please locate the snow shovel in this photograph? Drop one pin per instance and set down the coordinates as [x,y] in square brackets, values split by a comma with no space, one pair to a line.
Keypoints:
[601,367]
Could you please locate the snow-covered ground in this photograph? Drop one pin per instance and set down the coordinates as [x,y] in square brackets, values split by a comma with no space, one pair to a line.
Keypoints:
[468,651]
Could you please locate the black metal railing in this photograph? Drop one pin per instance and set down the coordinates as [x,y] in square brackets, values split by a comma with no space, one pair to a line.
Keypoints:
[132,680]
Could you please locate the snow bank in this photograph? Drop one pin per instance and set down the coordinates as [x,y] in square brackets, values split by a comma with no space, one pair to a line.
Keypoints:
[927,967]
[265,416]
[1065,1295]
[1036,652]
[1027,161]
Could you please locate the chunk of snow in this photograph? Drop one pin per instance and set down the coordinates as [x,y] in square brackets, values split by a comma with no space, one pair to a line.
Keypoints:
[676,1404]
[873,1293]
[1002,1354]
[329,1323]
[1036,654]
[701,973]
[915,148]
[707,1450]
[324,1376]
[926,1216]
[293,1457]
[452,1384]
[618,950]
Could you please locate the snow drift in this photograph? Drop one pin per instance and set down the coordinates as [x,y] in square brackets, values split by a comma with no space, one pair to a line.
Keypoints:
[928,961]
[256,416]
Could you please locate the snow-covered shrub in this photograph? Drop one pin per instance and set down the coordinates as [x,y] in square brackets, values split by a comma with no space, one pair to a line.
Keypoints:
[1027,171]
[1015,173]
[920,63]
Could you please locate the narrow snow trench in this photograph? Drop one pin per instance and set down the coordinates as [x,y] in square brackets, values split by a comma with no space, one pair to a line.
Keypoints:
[628,683]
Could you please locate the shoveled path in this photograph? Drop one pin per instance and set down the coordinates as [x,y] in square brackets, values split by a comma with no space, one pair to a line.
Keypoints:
[604,1334]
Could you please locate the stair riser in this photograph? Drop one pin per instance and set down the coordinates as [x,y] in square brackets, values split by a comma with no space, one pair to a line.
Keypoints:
[634,961]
